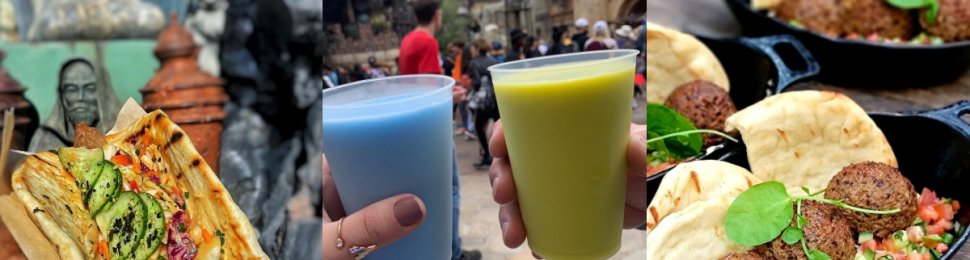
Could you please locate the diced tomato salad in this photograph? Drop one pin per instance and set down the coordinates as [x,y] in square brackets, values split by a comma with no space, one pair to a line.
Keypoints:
[928,238]
[658,167]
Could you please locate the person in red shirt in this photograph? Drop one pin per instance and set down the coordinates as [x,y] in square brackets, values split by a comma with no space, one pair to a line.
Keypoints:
[419,50]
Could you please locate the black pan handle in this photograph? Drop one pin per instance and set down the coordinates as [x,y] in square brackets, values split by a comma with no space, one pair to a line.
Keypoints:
[786,76]
[951,115]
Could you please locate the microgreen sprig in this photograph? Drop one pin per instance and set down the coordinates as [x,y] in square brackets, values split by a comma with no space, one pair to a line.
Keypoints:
[689,132]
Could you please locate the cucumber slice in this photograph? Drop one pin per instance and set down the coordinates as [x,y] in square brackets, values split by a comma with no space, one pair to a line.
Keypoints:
[84,164]
[105,188]
[123,222]
[154,227]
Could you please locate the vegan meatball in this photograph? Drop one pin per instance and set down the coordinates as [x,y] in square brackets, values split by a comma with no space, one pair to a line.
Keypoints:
[877,186]
[865,17]
[750,255]
[825,230]
[820,16]
[704,104]
[952,22]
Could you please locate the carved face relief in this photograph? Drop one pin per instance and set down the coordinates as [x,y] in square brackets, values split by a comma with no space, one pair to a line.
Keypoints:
[79,90]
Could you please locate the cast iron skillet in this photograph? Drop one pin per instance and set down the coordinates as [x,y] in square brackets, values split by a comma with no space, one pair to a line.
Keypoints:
[756,68]
[862,63]
[932,148]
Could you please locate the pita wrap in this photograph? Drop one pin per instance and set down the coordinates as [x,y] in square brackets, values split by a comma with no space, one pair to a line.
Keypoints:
[696,232]
[803,138]
[675,58]
[156,160]
[696,181]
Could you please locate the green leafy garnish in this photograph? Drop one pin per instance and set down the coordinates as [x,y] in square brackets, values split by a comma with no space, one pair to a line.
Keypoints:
[933,5]
[663,121]
[817,255]
[792,235]
[690,132]
[759,214]
[672,137]
[764,211]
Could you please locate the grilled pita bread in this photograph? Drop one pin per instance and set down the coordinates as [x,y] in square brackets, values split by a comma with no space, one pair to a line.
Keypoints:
[804,138]
[696,232]
[675,58]
[54,201]
[696,181]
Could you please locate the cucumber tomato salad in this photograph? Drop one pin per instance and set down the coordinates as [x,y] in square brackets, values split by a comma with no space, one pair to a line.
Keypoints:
[930,236]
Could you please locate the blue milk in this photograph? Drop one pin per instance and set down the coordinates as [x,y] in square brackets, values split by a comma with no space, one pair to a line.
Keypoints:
[377,151]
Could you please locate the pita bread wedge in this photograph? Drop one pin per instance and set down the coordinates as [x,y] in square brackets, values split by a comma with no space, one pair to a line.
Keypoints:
[696,232]
[764,4]
[54,201]
[696,181]
[803,138]
[675,58]
[153,197]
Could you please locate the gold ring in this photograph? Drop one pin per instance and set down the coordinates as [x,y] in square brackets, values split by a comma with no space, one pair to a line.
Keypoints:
[340,241]
[359,252]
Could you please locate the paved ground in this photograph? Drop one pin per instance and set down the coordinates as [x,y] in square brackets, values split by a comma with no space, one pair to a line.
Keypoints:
[479,213]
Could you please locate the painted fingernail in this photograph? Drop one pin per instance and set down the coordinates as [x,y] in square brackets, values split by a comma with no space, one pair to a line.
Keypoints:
[407,211]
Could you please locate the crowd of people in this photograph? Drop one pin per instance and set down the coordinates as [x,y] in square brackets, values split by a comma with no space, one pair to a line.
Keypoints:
[474,99]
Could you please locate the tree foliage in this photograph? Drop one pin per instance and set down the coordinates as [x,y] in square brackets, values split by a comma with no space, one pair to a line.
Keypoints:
[454,26]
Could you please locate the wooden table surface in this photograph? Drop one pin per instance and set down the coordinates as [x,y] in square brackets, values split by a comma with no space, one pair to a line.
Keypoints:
[713,18]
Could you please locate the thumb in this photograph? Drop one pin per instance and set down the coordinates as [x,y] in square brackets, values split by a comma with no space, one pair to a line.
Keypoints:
[637,151]
[379,224]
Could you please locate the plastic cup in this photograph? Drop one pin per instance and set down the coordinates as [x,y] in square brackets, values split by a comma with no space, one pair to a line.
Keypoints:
[567,123]
[389,136]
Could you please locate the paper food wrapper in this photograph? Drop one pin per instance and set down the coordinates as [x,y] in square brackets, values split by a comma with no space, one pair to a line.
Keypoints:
[15,217]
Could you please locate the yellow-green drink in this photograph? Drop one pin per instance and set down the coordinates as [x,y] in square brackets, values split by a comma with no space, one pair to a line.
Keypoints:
[567,123]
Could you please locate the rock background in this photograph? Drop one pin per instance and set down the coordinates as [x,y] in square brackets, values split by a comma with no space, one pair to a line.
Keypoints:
[272,61]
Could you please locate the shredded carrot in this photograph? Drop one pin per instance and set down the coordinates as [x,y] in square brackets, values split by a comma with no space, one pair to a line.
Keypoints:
[146,139]
[121,159]
[133,185]
[136,166]
[103,249]
[206,236]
